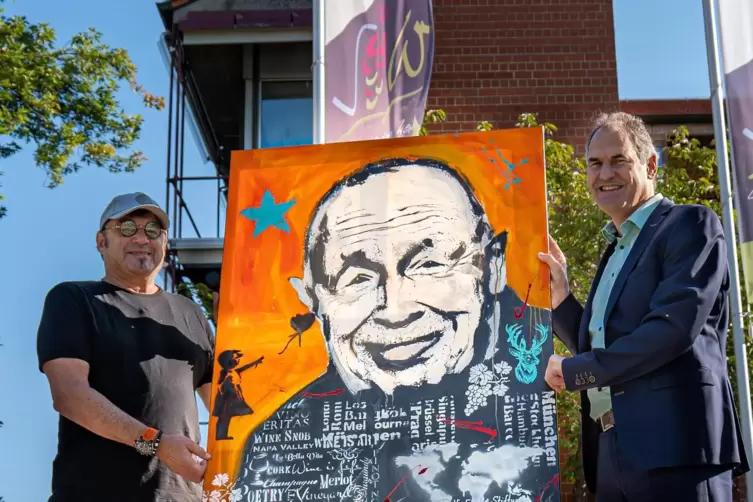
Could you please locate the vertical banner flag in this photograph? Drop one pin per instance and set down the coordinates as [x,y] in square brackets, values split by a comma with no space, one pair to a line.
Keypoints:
[736,39]
[378,56]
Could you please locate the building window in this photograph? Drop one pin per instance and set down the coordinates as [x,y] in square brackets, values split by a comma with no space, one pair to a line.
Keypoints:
[285,113]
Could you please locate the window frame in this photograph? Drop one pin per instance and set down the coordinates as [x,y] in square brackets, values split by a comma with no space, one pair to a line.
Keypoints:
[260,98]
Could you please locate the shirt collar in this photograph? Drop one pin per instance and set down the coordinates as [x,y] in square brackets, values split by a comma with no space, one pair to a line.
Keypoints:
[636,220]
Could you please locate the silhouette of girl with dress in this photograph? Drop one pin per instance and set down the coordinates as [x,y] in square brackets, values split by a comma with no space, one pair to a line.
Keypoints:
[229,401]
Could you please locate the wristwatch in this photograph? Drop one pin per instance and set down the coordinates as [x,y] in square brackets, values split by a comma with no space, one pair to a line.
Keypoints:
[148,442]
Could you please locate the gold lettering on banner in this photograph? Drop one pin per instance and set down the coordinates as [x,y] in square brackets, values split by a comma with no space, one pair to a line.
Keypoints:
[421,29]
[399,61]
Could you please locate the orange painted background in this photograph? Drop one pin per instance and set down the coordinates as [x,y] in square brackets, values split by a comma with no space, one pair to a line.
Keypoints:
[256,299]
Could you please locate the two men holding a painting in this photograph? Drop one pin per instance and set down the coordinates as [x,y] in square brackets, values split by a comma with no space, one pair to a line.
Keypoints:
[658,414]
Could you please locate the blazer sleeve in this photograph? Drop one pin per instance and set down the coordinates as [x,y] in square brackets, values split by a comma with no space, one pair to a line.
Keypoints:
[566,320]
[694,269]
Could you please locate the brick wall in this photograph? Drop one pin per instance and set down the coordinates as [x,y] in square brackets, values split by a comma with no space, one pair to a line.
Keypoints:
[495,59]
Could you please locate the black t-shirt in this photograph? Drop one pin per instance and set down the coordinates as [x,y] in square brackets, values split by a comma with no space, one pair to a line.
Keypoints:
[147,354]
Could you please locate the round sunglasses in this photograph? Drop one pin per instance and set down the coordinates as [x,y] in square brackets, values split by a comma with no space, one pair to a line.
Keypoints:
[128,228]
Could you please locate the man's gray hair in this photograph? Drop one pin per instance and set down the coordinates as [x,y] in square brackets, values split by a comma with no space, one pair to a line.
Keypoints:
[631,125]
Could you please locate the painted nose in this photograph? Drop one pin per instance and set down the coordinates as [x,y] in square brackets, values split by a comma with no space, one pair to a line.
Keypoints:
[399,308]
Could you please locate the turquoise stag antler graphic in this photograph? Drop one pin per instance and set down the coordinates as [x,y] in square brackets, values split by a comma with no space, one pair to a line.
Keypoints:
[528,358]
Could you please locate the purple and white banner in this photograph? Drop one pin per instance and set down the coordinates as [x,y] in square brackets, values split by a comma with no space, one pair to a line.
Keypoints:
[736,39]
[378,61]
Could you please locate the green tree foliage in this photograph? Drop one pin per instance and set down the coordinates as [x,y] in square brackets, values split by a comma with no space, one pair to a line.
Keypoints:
[61,100]
[432,117]
[199,293]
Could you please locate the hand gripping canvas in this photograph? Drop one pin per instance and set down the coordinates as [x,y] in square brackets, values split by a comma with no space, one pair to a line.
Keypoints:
[384,324]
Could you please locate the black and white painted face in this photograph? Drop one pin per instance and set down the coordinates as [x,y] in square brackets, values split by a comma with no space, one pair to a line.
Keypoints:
[398,278]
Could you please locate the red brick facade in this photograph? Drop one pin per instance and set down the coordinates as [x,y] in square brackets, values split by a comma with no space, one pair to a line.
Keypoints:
[667,107]
[495,60]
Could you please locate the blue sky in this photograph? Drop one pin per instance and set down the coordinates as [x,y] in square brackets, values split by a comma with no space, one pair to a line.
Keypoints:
[48,235]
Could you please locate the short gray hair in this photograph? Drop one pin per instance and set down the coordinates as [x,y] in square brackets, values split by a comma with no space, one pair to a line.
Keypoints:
[631,125]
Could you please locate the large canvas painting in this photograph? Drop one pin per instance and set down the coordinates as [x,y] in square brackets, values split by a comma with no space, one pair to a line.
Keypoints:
[384,324]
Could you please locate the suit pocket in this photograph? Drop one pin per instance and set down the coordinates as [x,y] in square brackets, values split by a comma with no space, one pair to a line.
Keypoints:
[697,378]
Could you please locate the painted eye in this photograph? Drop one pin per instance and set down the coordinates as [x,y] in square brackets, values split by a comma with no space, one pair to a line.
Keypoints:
[356,278]
[427,267]
[359,279]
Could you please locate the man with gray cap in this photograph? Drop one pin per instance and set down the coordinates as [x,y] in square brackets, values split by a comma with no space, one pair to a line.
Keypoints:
[124,359]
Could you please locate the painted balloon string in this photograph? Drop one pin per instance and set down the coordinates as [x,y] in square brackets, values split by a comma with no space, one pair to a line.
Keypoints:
[300,324]
[519,311]
[423,470]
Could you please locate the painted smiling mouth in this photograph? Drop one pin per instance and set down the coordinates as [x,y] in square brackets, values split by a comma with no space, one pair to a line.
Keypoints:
[399,356]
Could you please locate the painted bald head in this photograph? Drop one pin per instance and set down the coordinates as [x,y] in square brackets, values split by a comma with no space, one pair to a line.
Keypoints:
[394,269]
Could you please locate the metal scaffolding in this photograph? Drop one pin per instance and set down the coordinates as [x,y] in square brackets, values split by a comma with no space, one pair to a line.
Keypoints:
[182,91]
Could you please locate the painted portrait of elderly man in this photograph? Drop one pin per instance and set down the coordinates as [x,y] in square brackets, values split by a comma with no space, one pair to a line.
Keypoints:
[401,268]
[433,389]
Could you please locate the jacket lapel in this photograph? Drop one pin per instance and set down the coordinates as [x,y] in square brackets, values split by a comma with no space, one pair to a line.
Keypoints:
[637,251]
[584,340]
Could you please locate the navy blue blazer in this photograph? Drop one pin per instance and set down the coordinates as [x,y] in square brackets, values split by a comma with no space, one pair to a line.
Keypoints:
[665,337]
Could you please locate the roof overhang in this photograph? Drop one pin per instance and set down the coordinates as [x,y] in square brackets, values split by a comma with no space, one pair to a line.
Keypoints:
[669,111]
[195,252]
[247,36]
[200,260]
[189,16]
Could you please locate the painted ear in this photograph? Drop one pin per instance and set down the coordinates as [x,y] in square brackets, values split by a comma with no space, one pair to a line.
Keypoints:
[303,293]
[495,252]
[653,165]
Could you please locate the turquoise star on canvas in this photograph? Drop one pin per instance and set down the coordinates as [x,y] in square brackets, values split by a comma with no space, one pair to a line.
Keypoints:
[268,214]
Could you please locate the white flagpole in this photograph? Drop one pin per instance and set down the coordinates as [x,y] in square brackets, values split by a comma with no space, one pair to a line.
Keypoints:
[722,158]
[319,94]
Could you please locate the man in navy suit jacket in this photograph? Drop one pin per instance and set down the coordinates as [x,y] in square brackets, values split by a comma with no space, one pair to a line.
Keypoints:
[658,414]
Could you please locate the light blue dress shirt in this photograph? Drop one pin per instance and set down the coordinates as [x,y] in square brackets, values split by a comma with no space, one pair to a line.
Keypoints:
[600,399]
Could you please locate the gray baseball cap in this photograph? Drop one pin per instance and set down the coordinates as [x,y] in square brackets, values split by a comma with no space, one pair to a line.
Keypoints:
[129,202]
